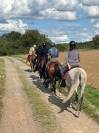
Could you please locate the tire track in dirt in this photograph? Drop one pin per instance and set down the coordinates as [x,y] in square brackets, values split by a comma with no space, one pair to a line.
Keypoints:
[17,114]
[67,122]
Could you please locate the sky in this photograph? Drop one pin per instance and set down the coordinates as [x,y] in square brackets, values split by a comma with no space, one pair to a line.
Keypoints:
[61,20]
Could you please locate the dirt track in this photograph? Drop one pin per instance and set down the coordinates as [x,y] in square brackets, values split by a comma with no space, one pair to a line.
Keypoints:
[17,112]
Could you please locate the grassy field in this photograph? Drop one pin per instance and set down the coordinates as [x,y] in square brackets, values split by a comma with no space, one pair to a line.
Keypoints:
[2,79]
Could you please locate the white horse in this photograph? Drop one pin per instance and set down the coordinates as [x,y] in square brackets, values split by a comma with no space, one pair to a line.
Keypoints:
[76,81]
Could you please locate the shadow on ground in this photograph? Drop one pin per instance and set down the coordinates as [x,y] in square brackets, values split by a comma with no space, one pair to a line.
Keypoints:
[53,99]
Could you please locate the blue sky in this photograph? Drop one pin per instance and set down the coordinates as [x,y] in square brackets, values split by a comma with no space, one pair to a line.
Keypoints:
[61,21]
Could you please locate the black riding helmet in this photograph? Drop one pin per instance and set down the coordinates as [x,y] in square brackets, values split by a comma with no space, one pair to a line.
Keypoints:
[43,44]
[72,45]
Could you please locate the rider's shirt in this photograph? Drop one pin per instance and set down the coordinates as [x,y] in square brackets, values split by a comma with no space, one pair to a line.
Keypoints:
[73,57]
[53,52]
[39,50]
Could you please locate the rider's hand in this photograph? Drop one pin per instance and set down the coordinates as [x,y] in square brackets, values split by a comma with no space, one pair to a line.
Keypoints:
[69,66]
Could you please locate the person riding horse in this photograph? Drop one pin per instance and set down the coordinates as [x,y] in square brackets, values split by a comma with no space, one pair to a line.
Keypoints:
[72,58]
[42,53]
[38,52]
[53,55]
[43,60]
[31,55]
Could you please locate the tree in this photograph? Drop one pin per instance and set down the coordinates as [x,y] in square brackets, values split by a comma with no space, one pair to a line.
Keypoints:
[96,41]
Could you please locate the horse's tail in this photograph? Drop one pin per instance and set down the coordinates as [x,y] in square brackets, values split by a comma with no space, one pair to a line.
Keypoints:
[83,80]
[57,73]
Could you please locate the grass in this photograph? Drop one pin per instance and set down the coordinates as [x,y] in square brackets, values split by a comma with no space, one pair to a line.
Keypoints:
[2,79]
[91,103]
[92,95]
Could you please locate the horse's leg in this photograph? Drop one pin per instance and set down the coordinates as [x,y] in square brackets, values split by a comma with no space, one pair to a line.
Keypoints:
[53,87]
[79,106]
[27,59]
[31,64]
[80,100]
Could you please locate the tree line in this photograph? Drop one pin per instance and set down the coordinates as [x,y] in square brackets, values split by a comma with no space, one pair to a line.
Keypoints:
[16,43]
[94,44]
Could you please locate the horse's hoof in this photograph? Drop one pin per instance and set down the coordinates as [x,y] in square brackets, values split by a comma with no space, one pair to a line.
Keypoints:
[77,114]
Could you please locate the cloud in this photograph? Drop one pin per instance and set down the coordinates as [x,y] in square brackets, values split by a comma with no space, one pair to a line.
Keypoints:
[53,9]
[90,2]
[59,38]
[65,5]
[96,25]
[13,25]
[72,10]
[93,11]
[60,15]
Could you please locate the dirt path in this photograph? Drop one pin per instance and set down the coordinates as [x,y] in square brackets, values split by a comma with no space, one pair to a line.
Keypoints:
[17,114]
[67,122]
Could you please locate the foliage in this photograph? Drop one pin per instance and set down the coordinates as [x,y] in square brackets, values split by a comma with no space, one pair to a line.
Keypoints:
[15,43]
[94,44]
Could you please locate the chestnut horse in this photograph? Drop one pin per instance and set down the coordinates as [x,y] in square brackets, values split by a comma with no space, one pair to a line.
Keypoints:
[30,59]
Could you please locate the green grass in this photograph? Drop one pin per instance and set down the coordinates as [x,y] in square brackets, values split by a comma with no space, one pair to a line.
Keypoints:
[91,103]
[92,95]
[2,79]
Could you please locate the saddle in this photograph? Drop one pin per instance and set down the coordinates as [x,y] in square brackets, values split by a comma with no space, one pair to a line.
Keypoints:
[65,74]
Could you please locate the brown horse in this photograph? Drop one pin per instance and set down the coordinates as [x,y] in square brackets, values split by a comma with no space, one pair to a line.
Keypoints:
[54,74]
[30,59]
[42,67]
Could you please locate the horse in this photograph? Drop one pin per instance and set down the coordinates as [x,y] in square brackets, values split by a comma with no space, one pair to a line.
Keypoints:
[75,82]
[42,67]
[30,59]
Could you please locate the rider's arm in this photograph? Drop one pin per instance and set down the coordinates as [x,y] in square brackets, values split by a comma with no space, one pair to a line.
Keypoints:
[67,60]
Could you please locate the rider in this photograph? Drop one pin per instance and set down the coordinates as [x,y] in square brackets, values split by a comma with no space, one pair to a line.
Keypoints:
[38,50]
[45,51]
[31,52]
[53,55]
[72,61]
[72,58]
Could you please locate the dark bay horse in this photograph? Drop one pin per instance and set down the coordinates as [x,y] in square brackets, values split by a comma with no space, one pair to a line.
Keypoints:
[41,66]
